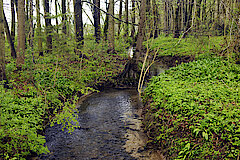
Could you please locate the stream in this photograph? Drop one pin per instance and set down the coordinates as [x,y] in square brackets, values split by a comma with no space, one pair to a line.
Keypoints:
[111,129]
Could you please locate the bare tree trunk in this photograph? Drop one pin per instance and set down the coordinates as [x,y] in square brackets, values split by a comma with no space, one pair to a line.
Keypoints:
[27,16]
[156,19]
[204,15]
[188,15]
[78,23]
[96,17]
[171,17]
[198,14]
[9,38]
[31,34]
[111,39]
[48,26]
[105,29]
[120,17]
[166,17]
[21,34]
[176,21]
[106,22]
[39,32]
[56,13]
[13,21]
[68,19]
[2,44]
[181,15]
[16,5]
[126,25]
[133,21]
[141,30]
[64,19]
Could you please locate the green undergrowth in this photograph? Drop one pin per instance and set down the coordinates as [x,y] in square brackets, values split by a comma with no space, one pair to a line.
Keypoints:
[194,110]
[200,47]
[47,92]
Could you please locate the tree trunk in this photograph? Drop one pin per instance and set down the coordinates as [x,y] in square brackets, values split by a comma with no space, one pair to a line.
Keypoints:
[68,19]
[120,17]
[16,5]
[78,23]
[9,38]
[48,26]
[126,19]
[21,34]
[96,17]
[106,22]
[133,21]
[166,19]
[64,27]
[111,32]
[204,15]
[39,32]
[188,16]
[27,16]
[156,19]
[56,13]
[148,18]
[13,21]
[31,33]
[176,21]
[2,44]
[171,18]
[198,14]
[141,29]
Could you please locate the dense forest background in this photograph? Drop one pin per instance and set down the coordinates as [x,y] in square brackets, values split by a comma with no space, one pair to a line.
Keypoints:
[50,56]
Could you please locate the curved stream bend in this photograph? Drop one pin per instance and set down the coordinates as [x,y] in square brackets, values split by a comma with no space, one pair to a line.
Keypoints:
[110,129]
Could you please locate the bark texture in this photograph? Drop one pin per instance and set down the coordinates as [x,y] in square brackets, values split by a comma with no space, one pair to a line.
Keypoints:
[120,17]
[39,29]
[13,21]
[96,18]
[9,37]
[141,31]
[2,44]
[64,19]
[176,21]
[111,32]
[78,23]
[48,26]
[21,34]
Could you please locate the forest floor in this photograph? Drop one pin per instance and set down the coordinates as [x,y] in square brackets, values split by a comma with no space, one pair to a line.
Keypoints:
[56,81]
[192,110]
[46,92]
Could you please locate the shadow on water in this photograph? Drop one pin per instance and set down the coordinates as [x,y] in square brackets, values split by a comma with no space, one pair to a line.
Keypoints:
[111,128]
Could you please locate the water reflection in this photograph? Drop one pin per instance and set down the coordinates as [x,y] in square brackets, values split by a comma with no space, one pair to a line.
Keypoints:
[110,129]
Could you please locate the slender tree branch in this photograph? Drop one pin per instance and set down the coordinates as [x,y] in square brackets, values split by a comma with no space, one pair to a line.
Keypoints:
[88,16]
[110,14]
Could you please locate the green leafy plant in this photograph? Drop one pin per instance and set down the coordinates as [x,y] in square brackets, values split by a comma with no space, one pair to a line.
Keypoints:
[46,92]
[194,110]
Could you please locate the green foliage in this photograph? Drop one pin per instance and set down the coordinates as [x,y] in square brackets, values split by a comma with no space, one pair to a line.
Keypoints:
[201,46]
[45,92]
[21,120]
[195,110]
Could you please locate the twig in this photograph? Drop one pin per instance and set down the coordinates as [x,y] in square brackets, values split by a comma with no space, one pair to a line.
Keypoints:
[88,17]
[110,14]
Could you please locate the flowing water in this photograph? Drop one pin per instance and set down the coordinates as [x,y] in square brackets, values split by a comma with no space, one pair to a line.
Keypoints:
[111,129]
